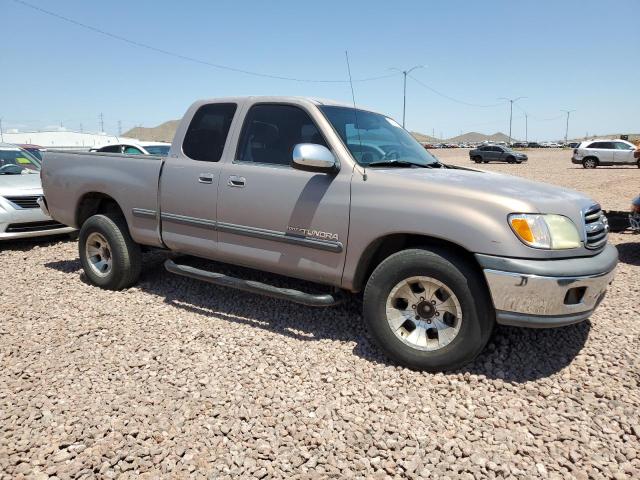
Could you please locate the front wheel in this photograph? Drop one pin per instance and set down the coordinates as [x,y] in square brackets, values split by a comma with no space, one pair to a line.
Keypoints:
[109,256]
[428,310]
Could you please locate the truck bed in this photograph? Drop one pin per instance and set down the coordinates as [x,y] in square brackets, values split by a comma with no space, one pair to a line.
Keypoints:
[131,179]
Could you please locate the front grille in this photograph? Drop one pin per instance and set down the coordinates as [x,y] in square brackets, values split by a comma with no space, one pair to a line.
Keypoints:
[596,227]
[33,226]
[30,201]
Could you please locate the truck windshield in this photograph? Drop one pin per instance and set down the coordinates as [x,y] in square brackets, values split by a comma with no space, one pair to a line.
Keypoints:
[375,139]
[17,162]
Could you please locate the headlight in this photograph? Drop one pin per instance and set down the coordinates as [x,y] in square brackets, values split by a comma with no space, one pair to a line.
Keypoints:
[554,232]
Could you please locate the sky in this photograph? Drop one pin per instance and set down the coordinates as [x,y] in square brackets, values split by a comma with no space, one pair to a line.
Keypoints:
[572,55]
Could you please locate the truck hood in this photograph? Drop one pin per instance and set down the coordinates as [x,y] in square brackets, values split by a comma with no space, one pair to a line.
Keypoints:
[516,194]
[28,184]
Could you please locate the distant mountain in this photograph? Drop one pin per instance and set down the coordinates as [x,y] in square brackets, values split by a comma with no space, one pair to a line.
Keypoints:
[421,137]
[162,133]
[480,137]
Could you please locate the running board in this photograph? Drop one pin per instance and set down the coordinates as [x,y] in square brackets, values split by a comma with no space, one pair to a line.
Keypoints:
[311,300]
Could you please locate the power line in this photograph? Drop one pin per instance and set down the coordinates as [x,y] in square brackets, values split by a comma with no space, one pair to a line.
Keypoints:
[452,98]
[187,58]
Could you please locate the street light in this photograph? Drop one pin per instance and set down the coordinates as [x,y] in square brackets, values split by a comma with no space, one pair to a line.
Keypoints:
[566,131]
[404,95]
[511,101]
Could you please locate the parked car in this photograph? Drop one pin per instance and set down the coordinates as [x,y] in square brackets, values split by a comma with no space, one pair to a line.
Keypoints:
[534,145]
[140,148]
[519,145]
[281,184]
[573,144]
[35,150]
[496,153]
[598,153]
[20,189]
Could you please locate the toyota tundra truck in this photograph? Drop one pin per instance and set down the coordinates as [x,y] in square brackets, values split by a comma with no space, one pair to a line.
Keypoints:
[347,199]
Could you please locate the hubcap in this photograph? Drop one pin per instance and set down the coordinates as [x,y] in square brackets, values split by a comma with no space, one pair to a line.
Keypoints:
[423,313]
[99,254]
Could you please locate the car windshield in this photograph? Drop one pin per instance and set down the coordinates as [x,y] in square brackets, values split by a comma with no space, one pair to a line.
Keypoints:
[162,150]
[17,162]
[375,139]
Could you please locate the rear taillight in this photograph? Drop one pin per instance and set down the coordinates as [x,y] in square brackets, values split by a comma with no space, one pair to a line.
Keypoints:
[575,150]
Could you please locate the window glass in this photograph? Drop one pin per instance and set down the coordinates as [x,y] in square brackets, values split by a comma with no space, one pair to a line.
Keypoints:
[16,162]
[371,137]
[132,150]
[270,133]
[207,132]
[111,149]
[622,146]
[162,150]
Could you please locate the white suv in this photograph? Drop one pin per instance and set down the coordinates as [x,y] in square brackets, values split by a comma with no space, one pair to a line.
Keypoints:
[594,153]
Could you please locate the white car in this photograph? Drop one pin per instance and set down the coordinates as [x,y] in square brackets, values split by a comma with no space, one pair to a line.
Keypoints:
[596,153]
[137,148]
[20,189]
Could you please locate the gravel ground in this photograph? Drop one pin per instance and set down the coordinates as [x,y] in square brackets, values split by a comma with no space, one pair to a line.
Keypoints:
[176,378]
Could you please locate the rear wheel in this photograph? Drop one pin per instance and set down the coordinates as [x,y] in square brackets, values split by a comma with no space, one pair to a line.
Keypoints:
[428,309]
[109,256]
[477,159]
[589,163]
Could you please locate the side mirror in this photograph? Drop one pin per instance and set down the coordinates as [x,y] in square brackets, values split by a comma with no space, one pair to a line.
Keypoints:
[313,157]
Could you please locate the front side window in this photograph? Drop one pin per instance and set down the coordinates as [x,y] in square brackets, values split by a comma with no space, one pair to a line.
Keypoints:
[622,146]
[207,132]
[371,137]
[271,132]
[132,150]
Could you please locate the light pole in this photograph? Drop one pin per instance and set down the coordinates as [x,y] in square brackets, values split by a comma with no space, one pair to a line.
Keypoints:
[566,130]
[526,127]
[511,101]
[404,90]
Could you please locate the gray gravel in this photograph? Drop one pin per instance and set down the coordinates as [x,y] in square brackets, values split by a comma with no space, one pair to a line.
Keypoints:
[181,379]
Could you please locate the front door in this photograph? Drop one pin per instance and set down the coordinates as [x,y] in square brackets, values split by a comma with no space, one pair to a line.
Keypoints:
[623,154]
[189,182]
[277,218]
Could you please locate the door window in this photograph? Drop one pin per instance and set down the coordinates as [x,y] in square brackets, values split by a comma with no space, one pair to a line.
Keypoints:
[602,145]
[132,150]
[622,146]
[111,149]
[270,133]
[207,132]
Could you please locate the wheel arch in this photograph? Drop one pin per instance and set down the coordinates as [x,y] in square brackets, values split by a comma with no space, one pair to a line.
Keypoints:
[381,248]
[93,203]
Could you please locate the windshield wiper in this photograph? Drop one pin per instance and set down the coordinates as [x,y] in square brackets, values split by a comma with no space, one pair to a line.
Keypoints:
[403,163]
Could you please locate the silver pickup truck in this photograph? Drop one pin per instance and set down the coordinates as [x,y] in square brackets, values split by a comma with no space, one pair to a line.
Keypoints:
[345,198]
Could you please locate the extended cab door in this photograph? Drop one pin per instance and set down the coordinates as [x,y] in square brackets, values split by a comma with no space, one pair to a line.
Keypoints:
[277,218]
[189,181]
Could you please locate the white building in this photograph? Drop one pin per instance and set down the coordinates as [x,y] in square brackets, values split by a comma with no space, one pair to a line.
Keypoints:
[63,139]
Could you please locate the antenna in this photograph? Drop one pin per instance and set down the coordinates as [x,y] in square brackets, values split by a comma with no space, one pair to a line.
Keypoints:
[355,113]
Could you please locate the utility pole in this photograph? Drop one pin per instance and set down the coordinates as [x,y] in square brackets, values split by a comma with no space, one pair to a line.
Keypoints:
[81,129]
[511,102]
[1,133]
[526,127]
[119,128]
[101,118]
[566,130]
[404,90]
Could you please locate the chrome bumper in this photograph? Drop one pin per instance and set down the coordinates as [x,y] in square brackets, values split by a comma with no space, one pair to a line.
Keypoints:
[538,300]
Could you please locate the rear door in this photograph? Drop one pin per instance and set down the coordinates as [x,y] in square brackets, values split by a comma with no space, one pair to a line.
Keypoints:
[623,153]
[604,151]
[277,218]
[189,182]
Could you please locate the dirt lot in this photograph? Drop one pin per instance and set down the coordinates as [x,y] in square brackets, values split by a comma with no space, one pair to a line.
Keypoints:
[180,379]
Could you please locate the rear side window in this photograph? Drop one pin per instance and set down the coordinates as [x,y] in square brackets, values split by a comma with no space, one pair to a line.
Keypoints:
[111,149]
[602,145]
[270,133]
[207,132]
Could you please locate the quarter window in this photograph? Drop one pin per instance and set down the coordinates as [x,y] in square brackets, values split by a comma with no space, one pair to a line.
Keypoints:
[270,133]
[207,132]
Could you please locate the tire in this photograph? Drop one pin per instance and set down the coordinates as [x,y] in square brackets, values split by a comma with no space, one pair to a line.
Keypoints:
[589,162]
[638,162]
[477,159]
[486,161]
[474,321]
[109,257]
[511,160]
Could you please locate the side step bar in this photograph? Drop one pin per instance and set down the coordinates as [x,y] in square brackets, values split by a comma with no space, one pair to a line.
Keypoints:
[312,300]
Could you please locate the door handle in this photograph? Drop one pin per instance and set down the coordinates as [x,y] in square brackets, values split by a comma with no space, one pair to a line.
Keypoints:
[236,181]
[205,178]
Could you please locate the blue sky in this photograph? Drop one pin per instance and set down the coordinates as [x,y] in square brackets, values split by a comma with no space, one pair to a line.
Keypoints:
[581,55]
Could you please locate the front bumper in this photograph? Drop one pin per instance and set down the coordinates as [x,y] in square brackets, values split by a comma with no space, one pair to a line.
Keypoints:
[548,293]
[18,223]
